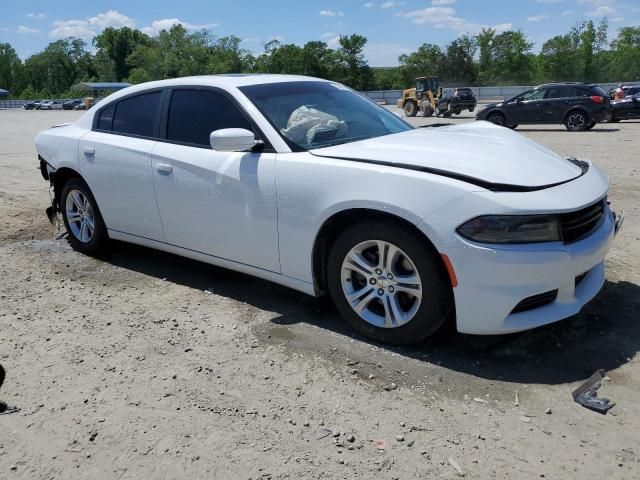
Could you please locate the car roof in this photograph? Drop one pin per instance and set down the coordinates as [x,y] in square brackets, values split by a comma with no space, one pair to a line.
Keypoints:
[224,80]
[561,84]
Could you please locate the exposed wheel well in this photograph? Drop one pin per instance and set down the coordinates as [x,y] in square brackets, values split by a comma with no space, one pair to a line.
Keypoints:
[58,180]
[338,222]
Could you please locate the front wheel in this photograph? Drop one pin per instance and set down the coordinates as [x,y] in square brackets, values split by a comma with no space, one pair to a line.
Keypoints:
[82,219]
[410,108]
[496,118]
[576,121]
[387,284]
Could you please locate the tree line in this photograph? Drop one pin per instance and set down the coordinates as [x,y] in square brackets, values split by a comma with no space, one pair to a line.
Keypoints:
[488,58]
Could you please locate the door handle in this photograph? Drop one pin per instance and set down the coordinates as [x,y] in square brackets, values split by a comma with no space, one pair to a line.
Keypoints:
[89,151]
[164,167]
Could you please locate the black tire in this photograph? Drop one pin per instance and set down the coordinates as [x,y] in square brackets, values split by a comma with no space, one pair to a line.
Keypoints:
[427,110]
[410,108]
[576,121]
[591,125]
[497,118]
[429,316]
[512,126]
[99,237]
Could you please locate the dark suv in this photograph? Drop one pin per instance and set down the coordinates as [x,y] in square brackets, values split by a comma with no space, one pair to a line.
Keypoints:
[455,100]
[579,106]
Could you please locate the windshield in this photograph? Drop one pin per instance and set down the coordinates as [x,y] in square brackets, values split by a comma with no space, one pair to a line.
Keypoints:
[312,115]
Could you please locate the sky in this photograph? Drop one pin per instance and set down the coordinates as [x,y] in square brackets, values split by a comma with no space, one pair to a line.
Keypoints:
[393,27]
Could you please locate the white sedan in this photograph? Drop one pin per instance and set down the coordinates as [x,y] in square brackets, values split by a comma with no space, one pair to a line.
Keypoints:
[306,183]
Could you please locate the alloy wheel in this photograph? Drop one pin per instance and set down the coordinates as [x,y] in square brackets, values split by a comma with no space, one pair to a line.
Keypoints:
[496,119]
[576,121]
[80,216]
[381,284]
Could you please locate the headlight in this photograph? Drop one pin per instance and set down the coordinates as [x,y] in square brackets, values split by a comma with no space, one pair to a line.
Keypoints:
[511,229]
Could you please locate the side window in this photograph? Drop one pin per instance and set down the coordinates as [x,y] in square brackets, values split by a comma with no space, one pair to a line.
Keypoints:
[194,114]
[534,95]
[561,92]
[106,117]
[137,115]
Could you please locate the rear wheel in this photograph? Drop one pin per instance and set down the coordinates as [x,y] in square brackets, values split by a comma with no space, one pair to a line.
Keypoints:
[496,118]
[410,108]
[576,121]
[387,284]
[82,219]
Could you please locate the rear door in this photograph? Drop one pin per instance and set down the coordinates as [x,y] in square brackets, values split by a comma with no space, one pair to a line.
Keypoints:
[115,161]
[556,102]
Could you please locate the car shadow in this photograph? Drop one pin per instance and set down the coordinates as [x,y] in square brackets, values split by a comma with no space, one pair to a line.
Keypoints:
[606,334]
[562,129]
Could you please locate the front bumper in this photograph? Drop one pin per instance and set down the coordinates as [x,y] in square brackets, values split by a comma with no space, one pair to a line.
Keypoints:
[495,279]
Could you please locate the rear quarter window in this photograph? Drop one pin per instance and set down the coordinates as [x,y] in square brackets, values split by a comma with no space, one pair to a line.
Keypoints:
[105,118]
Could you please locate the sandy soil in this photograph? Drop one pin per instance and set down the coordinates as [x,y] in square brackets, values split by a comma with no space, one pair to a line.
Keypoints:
[145,365]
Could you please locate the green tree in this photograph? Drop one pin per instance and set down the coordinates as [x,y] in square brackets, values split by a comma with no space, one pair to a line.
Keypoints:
[459,65]
[355,71]
[625,58]
[114,45]
[60,65]
[11,70]
[426,61]
[559,59]
[505,58]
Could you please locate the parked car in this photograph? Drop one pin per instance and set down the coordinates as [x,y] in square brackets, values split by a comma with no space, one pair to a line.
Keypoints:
[32,105]
[579,106]
[71,104]
[51,105]
[306,183]
[625,109]
[455,100]
[627,91]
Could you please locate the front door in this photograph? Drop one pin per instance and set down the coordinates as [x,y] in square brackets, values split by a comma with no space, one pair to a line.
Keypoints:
[219,203]
[529,109]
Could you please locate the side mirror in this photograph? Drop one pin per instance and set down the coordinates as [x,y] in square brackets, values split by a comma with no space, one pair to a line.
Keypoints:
[520,100]
[232,140]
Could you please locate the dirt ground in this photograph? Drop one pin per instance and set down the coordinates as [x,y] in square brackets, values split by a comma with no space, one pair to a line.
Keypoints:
[144,365]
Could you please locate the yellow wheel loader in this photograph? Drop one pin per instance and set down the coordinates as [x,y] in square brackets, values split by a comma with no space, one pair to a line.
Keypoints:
[422,98]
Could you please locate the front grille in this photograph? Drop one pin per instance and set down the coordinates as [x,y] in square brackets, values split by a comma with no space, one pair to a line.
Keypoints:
[576,225]
[536,301]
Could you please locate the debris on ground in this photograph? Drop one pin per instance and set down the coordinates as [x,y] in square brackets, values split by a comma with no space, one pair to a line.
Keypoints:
[587,394]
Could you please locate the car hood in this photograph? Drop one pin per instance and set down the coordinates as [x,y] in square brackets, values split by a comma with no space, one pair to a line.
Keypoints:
[479,153]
